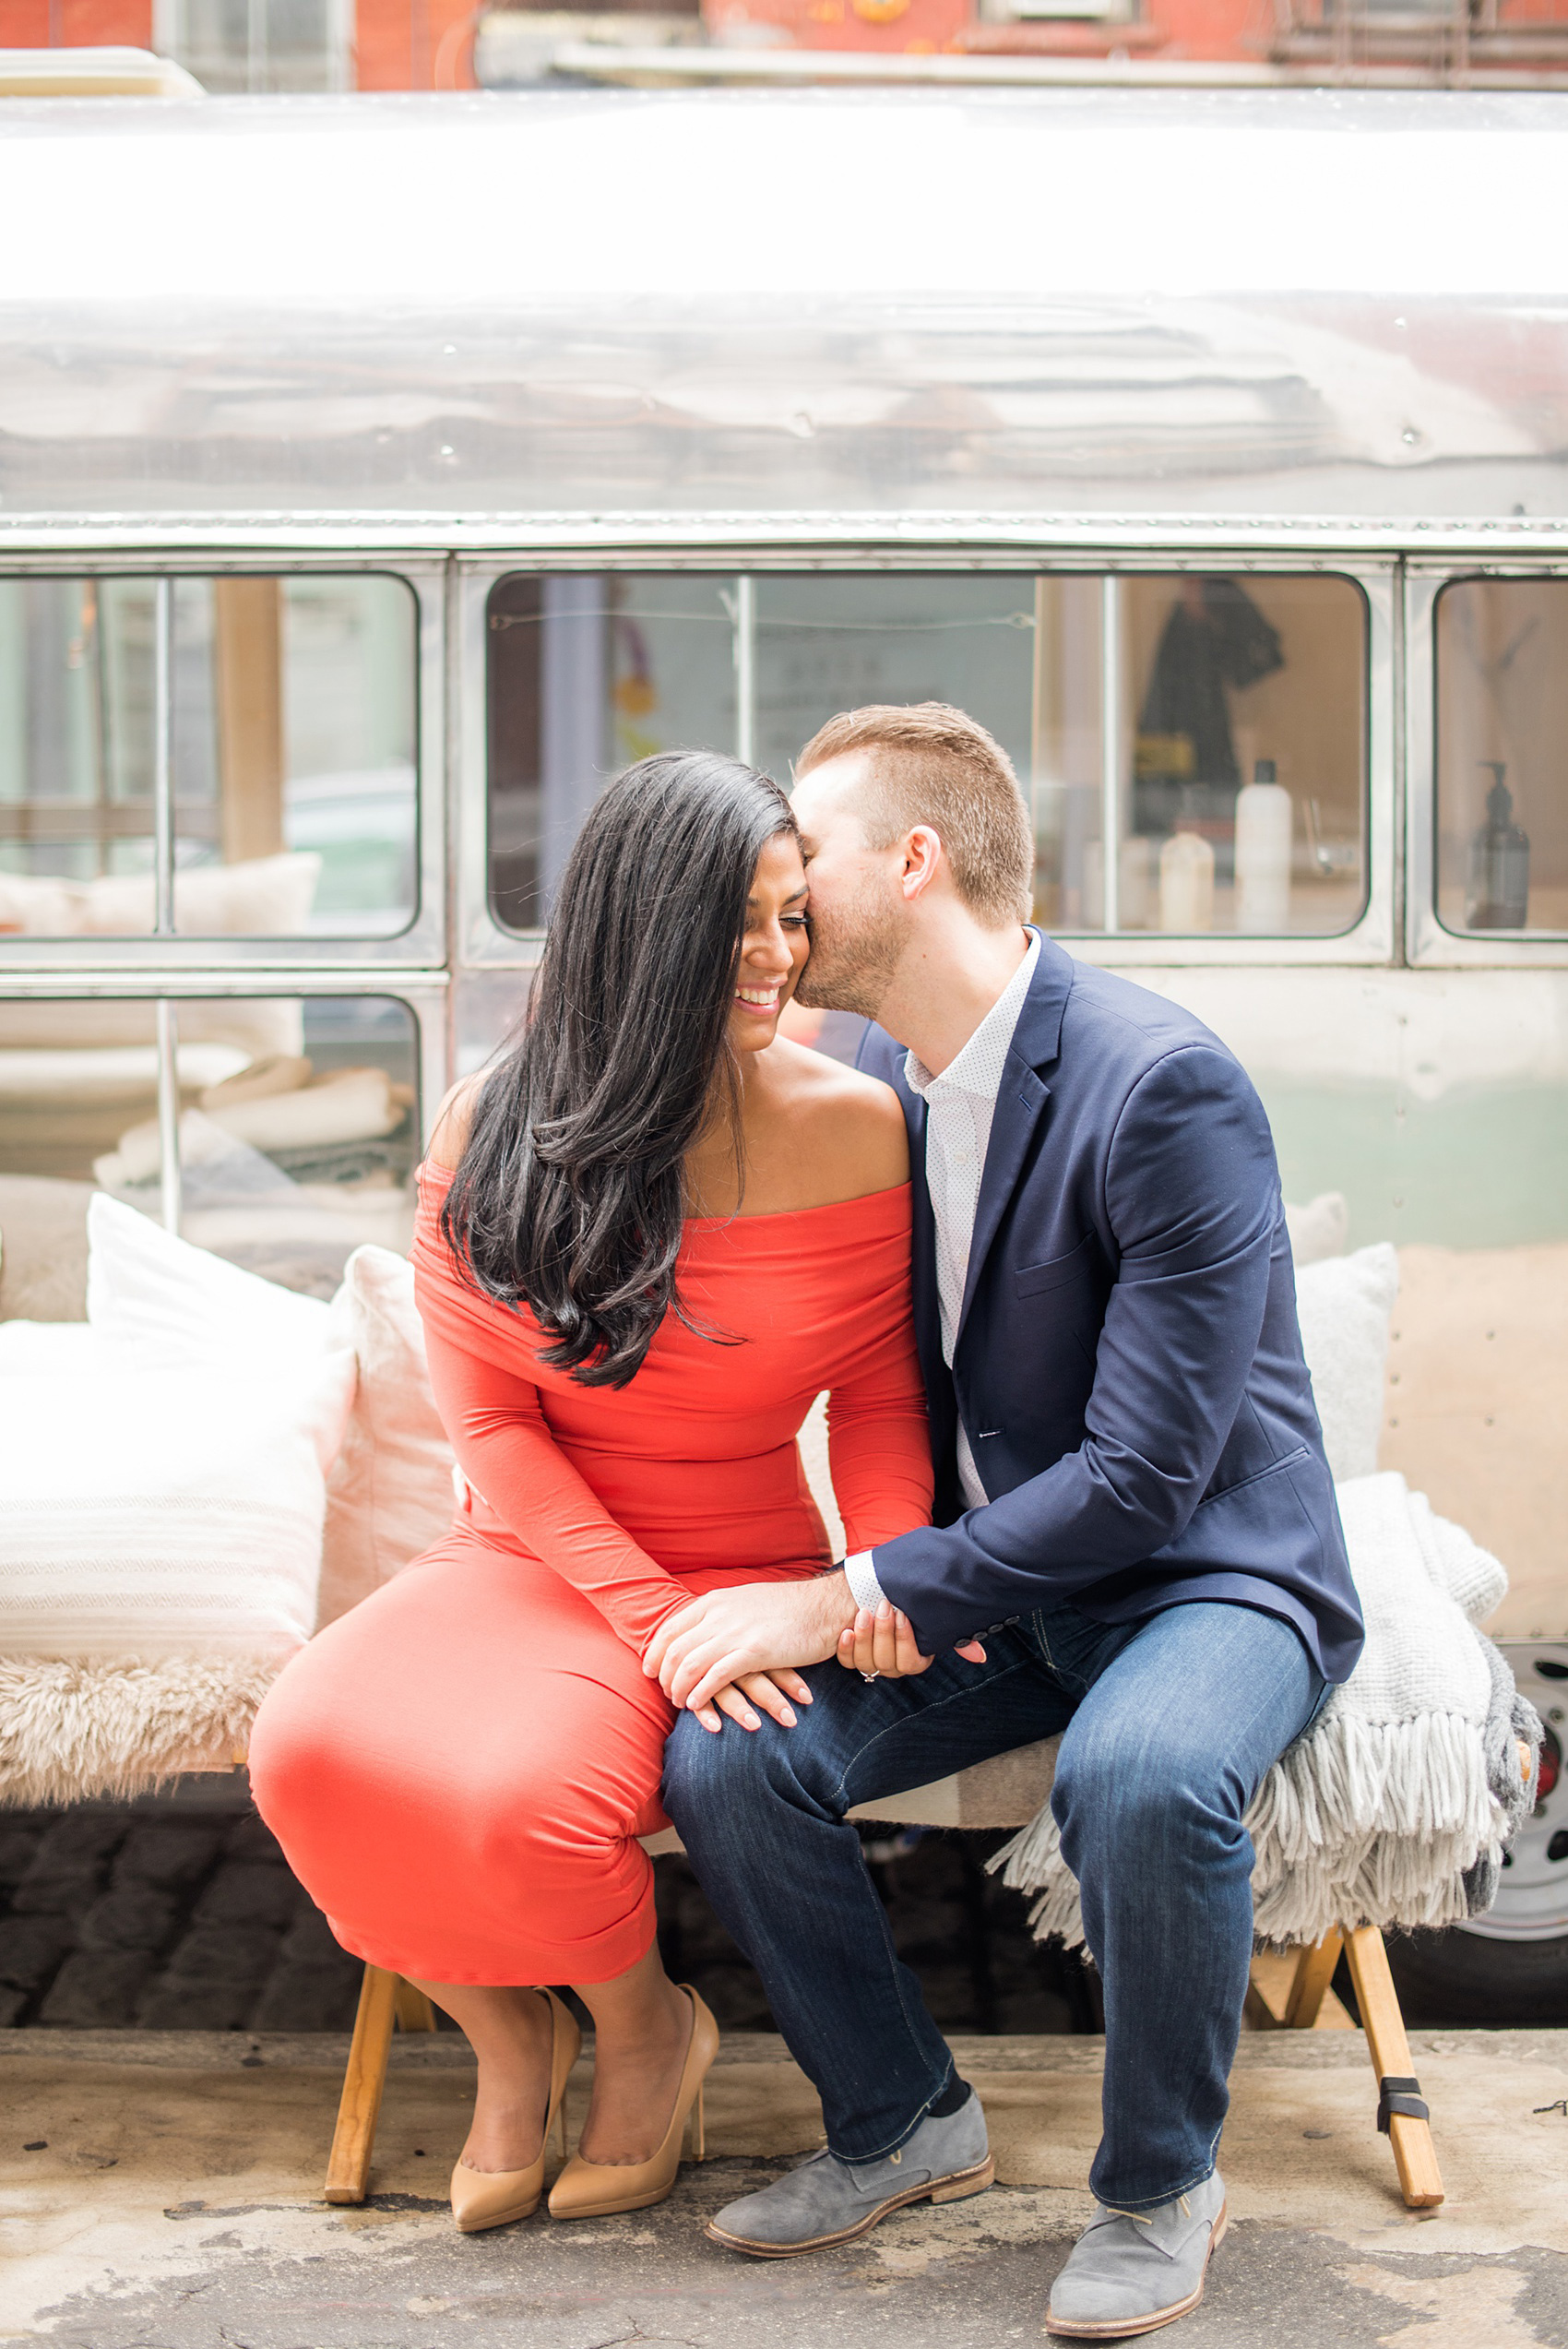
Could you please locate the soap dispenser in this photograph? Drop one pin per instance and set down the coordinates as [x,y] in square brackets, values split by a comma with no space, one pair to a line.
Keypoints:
[1499,894]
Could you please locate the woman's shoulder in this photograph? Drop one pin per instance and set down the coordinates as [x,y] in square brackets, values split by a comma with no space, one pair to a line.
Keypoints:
[849,1124]
[454,1122]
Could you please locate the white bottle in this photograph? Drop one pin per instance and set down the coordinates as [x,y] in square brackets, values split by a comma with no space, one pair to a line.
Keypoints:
[1135,886]
[1186,883]
[1265,824]
[1138,882]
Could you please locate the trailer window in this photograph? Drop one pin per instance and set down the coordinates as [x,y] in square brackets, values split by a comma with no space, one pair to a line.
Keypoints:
[289,752]
[297,1130]
[1135,710]
[1501,720]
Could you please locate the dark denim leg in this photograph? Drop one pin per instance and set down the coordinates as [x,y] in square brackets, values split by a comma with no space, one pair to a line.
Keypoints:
[761,1816]
[1156,1769]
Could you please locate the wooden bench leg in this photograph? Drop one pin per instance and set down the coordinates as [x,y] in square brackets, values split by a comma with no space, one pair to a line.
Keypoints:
[1420,2181]
[348,2168]
[414,2010]
[1308,1984]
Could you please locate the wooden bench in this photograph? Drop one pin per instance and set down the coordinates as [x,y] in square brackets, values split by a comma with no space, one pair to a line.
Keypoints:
[1005,1792]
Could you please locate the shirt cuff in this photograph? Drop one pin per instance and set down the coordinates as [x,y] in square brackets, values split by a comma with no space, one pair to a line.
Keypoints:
[861,1574]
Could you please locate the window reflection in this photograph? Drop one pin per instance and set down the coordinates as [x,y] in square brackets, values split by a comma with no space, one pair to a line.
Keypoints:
[1237,708]
[832,643]
[588,674]
[1238,761]
[298,1128]
[292,705]
[1501,717]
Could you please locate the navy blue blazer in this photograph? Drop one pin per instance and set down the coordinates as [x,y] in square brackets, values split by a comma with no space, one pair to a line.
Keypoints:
[1128,1362]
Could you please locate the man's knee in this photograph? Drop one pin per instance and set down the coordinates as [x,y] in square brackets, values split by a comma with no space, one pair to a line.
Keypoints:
[1129,1799]
[704,1772]
[742,1771]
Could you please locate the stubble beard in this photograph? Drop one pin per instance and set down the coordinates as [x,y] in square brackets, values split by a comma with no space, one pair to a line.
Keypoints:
[854,957]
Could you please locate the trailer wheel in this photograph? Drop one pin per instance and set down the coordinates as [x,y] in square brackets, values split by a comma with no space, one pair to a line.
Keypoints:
[1459,1977]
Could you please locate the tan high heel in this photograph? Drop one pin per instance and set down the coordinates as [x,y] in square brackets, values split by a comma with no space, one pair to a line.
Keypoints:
[596,2189]
[494,2198]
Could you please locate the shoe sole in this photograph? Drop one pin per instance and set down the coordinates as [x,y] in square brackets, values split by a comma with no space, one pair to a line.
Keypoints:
[955,2188]
[502,2218]
[619,2204]
[1125,2328]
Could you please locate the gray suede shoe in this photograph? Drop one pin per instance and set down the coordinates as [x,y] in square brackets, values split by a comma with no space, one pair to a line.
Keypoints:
[1130,2273]
[827,2201]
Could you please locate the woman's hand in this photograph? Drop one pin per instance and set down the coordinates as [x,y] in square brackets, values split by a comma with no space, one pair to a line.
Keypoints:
[882,1645]
[770,1690]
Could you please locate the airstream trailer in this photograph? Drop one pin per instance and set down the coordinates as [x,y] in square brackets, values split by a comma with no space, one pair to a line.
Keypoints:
[377,476]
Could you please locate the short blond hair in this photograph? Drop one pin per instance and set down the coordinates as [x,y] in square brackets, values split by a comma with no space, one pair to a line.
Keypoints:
[931,764]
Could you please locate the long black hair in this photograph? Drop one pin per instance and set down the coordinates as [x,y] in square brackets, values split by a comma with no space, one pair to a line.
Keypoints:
[569,1197]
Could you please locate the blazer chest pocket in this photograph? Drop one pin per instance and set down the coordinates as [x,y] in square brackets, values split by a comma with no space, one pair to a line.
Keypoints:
[1057,1271]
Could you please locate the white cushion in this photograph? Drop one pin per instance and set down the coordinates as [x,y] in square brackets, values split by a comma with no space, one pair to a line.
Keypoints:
[390,1495]
[813,1440]
[1344,1305]
[159,1513]
[261,896]
[29,1346]
[176,1306]
[162,1484]
[1319,1228]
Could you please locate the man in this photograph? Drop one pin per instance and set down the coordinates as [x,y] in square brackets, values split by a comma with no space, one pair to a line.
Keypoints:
[1135,1538]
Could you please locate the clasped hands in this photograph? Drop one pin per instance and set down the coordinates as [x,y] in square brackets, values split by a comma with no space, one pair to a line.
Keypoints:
[739,1651]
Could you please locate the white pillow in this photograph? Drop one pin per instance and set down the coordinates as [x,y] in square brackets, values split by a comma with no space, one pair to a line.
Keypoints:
[390,1493]
[813,1440]
[164,1479]
[176,1306]
[27,1346]
[158,1512]
[1344,1305]
[1319,1228]
[261,896]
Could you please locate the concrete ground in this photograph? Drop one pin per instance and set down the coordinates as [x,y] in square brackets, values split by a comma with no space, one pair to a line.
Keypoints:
[157,2190]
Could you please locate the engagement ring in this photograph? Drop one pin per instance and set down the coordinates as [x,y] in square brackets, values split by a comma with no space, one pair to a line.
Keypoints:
[869,1677]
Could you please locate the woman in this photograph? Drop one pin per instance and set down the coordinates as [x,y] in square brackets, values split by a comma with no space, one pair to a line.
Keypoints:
[645,1244]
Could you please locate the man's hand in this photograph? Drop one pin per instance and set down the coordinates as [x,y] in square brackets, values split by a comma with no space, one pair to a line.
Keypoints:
[884,1644]
[749,1627]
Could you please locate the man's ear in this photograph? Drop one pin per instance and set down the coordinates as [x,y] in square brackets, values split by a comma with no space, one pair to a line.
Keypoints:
[922,859]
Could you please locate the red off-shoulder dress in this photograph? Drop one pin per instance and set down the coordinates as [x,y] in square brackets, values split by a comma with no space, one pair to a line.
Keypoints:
[458,1769]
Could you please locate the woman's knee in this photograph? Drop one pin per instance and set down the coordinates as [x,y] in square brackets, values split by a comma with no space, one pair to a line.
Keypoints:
[300,1759]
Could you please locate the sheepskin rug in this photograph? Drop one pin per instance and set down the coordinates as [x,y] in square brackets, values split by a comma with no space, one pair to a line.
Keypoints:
[71,1729]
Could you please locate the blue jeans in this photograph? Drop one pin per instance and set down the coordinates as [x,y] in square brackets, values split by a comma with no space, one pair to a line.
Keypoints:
[1169,1727]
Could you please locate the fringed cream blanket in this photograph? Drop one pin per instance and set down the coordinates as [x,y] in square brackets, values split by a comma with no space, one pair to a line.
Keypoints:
[1395,1805]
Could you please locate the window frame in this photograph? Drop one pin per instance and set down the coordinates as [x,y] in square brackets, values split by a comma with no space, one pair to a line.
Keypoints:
[425,995]
[171,38]
[422,942]
[482,942]
[1429,943]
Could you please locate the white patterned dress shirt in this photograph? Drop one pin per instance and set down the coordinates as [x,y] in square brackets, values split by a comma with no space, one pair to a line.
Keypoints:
[959,1105]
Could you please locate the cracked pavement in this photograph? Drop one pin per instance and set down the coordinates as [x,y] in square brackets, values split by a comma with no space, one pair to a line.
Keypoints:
[158,2191]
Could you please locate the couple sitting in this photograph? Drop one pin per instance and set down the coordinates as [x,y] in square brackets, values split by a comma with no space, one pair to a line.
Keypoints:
[1037,1255]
